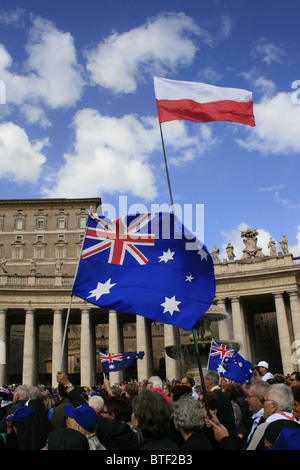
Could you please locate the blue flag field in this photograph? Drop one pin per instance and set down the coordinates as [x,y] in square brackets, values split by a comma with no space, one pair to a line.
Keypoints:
[148,265]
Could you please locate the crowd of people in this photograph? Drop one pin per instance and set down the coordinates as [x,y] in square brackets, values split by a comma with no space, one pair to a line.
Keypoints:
[155,415]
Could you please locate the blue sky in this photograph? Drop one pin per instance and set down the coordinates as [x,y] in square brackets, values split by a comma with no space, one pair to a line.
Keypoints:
[80,119]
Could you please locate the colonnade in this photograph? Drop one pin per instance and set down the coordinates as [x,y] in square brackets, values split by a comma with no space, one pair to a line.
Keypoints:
[87,346]
[234,328]
[288,325]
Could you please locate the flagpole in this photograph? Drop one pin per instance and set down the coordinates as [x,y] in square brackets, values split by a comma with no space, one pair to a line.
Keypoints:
[201,374]
[70,301]
[209,353]
[166,166]
[194,331]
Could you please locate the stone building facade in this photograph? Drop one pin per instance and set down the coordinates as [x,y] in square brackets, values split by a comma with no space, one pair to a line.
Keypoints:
[40,244]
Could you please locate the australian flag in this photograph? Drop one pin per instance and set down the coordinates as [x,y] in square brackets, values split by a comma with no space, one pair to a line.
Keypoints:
[229,363]
[112,362]
[148,265]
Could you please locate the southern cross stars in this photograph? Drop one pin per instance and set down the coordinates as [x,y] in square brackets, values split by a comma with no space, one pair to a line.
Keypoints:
[101,289]
[167,256]
[170,305]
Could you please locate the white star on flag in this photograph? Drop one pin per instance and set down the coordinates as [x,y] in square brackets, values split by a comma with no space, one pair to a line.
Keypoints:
[203,254]
[189,278]
[101,289]
[166,256]
[221,369]
[170,305]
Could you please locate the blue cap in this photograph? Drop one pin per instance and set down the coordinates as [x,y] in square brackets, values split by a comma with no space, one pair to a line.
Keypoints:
[84,415]
[23,413]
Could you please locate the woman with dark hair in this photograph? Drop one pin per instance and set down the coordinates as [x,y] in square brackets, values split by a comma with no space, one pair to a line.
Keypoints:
[151,417]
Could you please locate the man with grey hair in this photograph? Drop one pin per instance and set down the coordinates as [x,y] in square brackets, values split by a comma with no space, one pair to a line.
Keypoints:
[225,412]
[20,397]
[278,405]
[189,420]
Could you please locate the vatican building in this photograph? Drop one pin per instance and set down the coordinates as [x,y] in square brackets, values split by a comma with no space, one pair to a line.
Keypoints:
[43,329]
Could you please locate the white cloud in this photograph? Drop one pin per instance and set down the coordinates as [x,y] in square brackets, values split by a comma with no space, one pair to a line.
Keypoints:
[268,51]
[21,161]
[277,126]
[51,77]
[160,45]
[183,147]
[295,249]
[110,155]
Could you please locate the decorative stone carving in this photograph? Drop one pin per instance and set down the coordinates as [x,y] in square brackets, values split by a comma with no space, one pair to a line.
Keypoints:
[215,254]
[284,245]
[58,268]
[251,249]
[3,265]
[230,253]
[272,247]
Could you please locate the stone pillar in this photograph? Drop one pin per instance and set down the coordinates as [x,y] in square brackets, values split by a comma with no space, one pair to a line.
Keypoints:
[30,353]
[57,343]
[295,313]
[238,326]
[3,346]
[115,343]
[87,349]
[144,343]
[172,366]
[223,325]
[284,337]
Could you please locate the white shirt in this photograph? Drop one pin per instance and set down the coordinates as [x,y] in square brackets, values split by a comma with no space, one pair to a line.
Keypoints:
[256,417]
[267,376]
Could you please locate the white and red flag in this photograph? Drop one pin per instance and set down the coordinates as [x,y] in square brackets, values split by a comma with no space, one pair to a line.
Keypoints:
[200,102]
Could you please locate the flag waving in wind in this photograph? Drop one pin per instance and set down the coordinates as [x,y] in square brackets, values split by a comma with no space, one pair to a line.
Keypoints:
[200,102]
[229,363]
[119,361]
[144,265]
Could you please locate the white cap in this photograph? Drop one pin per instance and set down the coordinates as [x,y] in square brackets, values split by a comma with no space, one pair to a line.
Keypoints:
[263,364]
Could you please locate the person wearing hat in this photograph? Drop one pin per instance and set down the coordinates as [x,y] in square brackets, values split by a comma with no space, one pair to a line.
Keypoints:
[18,435]
[84,419]
[264,373]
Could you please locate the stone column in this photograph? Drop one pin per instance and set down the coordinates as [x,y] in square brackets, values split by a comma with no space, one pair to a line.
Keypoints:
[3,346]
[238,326]
[283,332]
[57,343]
[144,343]
[115,343]
[172,366]
[223,325]
[30,350]
[87,357]
[295,313]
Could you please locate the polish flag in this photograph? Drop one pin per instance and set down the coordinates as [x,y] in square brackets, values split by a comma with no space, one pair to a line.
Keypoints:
[199,102]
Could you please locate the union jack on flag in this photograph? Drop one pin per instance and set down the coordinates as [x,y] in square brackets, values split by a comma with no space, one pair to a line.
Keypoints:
[220,350]
[118,236]
[112,362]
[140,264]
[108,357]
